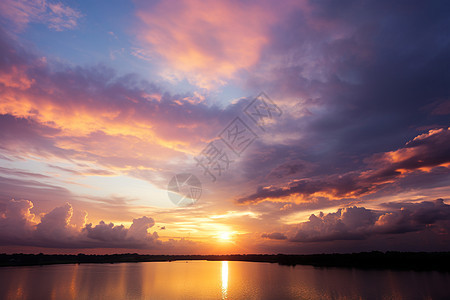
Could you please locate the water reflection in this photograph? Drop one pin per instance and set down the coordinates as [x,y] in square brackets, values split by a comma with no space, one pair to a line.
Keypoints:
[224,280]
[216,280]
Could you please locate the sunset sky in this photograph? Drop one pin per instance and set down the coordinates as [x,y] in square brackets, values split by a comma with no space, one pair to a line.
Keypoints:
[103,102]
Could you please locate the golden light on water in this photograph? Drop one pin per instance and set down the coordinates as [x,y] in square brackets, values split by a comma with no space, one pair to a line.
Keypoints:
[225,280]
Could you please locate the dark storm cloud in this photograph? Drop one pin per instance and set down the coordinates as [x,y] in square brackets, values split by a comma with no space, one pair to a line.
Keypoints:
[370,75]
[274,236]
[423,153]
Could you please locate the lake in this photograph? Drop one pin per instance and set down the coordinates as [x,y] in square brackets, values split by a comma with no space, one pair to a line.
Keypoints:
[216,280]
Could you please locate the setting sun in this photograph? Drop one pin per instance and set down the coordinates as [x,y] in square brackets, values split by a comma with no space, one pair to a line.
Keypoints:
[225,236]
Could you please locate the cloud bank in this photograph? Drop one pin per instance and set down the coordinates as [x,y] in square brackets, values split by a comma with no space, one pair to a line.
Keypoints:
[61,229]
[358,223]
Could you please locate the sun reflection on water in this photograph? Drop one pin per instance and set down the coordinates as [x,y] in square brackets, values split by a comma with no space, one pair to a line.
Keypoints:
[224,280]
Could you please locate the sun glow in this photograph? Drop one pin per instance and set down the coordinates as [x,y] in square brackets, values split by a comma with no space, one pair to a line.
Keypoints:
[224,236]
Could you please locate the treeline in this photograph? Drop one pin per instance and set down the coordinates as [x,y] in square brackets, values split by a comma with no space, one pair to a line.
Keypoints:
[369,260]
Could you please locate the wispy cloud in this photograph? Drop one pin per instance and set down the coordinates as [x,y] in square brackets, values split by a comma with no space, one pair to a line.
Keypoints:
[206,42]
[82,113]
[55,15]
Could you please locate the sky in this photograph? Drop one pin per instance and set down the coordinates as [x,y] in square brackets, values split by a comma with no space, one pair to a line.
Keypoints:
[309,126]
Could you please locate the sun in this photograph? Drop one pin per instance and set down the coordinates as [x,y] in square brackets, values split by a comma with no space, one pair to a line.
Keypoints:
[224,236]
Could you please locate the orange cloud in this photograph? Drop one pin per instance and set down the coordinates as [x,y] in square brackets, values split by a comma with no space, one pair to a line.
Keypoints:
[99,115]
[422,154]
[97,128]
[95,116]
[207,41]
[16,78]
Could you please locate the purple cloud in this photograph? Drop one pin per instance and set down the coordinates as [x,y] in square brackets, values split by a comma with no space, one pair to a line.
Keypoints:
[358,223]
[274,236]
[59,229]
[422,154]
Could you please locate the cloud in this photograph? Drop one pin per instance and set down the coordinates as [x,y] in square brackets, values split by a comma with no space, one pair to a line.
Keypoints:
[358,223]
[62,228]
[83,113]
[16,221]
[422,154]
[55,15]
[360,93]
[118,236]
[85,172]
[21,173]
[206,43]
[274,236]
[55,226]
[345,224]
[407,217]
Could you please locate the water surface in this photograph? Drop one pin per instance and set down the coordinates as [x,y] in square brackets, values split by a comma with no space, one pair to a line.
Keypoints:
[216,280]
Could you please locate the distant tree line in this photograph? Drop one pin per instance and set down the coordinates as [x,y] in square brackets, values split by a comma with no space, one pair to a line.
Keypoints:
[368,260]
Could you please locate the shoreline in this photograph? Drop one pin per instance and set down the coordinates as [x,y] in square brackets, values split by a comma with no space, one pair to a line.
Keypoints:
[414,261]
